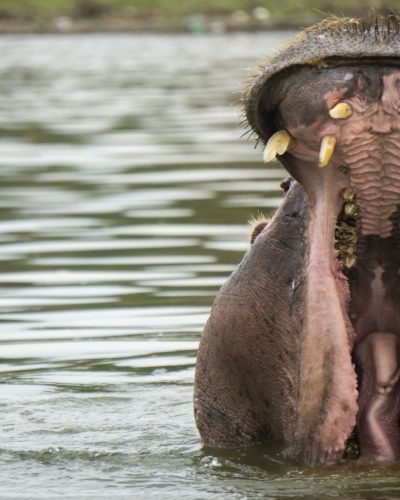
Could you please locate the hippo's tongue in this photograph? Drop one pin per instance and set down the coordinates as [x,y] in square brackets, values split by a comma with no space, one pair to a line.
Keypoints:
[378,427]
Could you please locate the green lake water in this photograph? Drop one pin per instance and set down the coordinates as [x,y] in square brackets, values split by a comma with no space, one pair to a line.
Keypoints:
[125,195]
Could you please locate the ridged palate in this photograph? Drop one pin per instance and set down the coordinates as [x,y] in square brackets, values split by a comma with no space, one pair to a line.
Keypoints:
[375,176]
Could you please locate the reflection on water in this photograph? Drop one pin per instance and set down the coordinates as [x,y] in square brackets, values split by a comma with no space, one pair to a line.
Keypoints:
[124,202]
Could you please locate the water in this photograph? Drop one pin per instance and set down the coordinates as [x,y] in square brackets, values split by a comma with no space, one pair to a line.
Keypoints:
[124,200]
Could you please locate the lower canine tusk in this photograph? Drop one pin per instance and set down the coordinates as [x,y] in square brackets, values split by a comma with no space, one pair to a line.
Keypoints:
[328,144]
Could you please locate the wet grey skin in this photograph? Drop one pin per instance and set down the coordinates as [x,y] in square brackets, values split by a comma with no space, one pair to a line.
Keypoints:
[302,344]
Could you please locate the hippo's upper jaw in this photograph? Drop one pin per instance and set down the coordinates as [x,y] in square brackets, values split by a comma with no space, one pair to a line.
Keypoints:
[335,125]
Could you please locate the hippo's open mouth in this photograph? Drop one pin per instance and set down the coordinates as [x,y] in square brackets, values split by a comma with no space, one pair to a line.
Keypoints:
[303,342]
[339,132]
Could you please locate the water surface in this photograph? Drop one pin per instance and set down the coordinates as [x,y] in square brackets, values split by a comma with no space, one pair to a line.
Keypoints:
[124,204]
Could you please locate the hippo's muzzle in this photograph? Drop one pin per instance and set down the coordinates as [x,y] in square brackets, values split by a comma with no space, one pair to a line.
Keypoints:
[303,343]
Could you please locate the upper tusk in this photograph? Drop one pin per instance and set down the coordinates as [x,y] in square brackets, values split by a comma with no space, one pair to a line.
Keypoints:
[278,143]
[327,147]
[341,110]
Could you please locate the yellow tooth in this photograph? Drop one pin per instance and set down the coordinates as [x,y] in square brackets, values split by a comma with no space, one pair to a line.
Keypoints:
[348,250]
[327,147]
[348,194]
[341,110]
[350,208]
[350,261]
[277,144]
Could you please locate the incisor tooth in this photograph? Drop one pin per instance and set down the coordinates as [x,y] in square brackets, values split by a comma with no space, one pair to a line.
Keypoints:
[348,194]
[349,261]
[277,144]
[350,208]
[341,110]
[327,147]
[349,250]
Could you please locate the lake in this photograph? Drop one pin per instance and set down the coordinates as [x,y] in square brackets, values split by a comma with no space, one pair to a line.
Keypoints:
[126,191]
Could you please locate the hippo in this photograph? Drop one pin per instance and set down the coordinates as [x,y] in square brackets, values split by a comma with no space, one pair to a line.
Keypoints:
[302,345]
